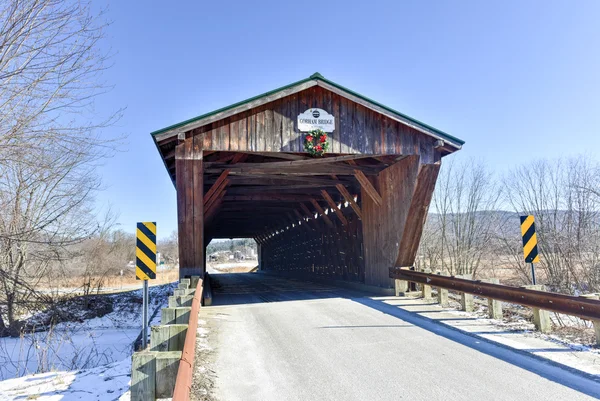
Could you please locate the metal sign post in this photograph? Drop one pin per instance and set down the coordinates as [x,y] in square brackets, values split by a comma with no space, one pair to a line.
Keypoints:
[145,267]
[145,315]
[530,249]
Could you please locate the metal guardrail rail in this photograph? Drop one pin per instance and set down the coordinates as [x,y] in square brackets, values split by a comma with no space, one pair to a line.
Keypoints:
[183,382]
[569,305]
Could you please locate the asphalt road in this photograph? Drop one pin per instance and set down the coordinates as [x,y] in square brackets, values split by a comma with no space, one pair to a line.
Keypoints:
[279,339]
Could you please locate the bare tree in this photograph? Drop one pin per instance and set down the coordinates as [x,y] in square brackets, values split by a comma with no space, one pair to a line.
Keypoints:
[50,141]
[50,75]
[462,220]
[560,195]
[169,249]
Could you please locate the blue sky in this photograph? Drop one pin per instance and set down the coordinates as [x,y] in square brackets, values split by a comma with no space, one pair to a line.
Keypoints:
[516,80]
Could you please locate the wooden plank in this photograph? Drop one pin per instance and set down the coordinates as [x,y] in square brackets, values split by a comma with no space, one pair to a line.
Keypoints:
[344,126]
[223,135]
[281,155]
[288,127]
[311,162]
[335,208]
[321,212]
[268,179]
[243,133]
[309,215]
[239,158]
[351,132]
[336,144]
[368,187]
[181,205]
[383,226]
[295,136]
[318,168]
[277,130]
[360,118]
[350,199]
[167,364]
[261,137]
[189,204]
[234,135]
[291,187]
[313,169]
[266,197]
[217,195]
[417,214]
[270,132]
[198,204]
[212,211]
[252,133]
[188,234]
[143,375]
[302,219]
[209,199]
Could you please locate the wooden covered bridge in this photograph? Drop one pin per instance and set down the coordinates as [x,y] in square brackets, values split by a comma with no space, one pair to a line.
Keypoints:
[242,171]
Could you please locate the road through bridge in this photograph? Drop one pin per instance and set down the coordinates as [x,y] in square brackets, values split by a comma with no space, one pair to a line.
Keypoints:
[286,339]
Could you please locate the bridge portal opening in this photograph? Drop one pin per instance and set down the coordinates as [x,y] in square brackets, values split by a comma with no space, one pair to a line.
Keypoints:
[234,255]
[351,213]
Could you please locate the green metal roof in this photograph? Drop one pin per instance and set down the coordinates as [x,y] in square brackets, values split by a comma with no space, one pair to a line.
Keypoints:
[319,77]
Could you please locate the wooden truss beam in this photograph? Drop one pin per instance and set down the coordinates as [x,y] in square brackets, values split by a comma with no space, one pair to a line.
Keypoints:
[217,193]
[215,187]
[350,199]
[266,197]
[266,179]
[213,208]
[335,208]
[238,157]
[266,168]
[309,216]
[417,214]
[321,212]
[302,219]
[366,185]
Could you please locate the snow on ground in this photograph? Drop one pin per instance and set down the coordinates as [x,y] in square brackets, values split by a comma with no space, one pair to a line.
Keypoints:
[82,343]
[109,382]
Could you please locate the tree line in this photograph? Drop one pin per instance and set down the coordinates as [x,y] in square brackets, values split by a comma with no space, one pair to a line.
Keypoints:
[473,225]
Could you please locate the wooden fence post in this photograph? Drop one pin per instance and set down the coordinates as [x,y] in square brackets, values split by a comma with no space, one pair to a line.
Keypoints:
[541,318]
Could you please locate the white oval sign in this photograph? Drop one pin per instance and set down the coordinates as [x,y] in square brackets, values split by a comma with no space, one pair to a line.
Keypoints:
[313,119]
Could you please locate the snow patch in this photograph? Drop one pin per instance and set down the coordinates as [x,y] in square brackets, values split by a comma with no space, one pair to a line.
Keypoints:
[109,382]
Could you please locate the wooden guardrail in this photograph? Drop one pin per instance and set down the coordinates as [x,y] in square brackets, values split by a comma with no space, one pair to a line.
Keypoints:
[183,382]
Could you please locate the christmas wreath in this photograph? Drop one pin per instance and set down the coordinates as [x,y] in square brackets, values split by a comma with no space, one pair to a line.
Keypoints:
[315,142]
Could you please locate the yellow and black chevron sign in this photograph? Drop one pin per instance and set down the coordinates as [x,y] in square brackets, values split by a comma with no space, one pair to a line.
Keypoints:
[145,251]
[529,239]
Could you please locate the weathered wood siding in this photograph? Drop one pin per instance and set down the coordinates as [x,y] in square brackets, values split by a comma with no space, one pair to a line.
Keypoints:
[331,251]
[190,207]
[273,128]
[417,214]
[383,226]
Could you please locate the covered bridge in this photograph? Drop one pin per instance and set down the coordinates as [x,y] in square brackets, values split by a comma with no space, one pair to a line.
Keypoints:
[351,214]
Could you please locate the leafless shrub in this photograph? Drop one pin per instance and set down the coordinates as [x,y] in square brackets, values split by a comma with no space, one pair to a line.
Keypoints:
[460,225]
[560,194]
